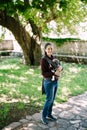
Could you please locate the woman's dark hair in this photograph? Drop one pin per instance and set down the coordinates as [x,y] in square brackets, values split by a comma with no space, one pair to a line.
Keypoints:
[47,44]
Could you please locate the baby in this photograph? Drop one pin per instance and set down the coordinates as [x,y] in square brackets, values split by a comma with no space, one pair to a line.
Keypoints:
[57,68]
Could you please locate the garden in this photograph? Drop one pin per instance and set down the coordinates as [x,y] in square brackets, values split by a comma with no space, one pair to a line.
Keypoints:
[20,88]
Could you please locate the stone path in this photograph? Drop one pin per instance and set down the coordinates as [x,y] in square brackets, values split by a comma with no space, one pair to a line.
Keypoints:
[72,115]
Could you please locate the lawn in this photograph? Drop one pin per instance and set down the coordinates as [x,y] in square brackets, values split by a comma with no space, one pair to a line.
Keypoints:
[20,88]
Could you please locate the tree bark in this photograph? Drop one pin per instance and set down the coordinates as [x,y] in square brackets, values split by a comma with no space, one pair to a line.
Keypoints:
[27,43]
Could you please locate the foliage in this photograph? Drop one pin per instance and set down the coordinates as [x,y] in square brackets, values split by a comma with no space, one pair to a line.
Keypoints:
[59,41]
[20,88]
[4,109]
[65,13]
[33,18]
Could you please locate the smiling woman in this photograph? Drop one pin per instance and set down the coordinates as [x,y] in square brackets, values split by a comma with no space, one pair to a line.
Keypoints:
[50,83]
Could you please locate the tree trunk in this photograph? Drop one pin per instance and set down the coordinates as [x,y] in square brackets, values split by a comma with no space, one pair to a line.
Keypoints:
[31,49]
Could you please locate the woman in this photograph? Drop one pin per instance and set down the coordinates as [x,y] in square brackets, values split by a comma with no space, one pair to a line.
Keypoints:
[50,83]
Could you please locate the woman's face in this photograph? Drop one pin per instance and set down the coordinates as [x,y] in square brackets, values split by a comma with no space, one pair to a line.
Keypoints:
[49,50]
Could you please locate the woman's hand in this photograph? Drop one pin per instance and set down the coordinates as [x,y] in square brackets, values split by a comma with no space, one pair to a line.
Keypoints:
[60,68]
[58,71]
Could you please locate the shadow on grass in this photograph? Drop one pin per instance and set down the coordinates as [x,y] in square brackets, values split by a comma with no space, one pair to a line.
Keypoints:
[20,88]
[13,112]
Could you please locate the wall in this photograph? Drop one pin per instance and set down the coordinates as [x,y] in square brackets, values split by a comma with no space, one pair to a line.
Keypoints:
[73,51]
[6,45]
[72,48]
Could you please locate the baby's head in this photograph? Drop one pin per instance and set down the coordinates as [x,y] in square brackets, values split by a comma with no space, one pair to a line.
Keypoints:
[55,63]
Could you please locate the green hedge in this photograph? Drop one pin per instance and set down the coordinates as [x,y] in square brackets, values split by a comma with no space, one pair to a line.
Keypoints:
[59,41]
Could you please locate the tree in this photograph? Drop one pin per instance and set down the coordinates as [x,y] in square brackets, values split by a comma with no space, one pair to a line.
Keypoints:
[15,15]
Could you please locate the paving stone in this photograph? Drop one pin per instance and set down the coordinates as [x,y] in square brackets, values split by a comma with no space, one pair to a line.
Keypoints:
[75,121]
[34,128]
[84,124]
[12,126]
[51,124]
[75,110]
[53,128]
[33,123]
[61,128]
[71,128]
[43,126]
[77,125]
[66,115]
[29,117]
[63,123]
[37,116]
[81,128]
[24,121]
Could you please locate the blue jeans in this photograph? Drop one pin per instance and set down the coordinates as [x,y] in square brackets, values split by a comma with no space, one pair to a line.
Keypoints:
[50,89]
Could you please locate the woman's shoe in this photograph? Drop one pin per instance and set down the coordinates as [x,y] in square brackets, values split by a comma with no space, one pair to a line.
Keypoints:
[44,120]
[52,118]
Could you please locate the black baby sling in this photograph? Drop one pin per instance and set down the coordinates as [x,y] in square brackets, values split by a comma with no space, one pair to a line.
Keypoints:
[54,65]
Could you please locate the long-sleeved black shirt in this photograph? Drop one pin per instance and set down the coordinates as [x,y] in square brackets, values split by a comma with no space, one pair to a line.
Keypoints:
[46,68]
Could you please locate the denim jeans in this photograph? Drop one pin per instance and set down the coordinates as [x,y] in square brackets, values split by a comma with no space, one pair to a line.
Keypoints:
[50,89]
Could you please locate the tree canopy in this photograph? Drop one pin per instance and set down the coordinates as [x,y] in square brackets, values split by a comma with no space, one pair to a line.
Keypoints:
[15,15]
[66,13]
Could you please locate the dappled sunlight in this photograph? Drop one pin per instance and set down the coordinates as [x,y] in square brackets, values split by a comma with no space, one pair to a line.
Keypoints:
[1,74]
[65,91]
[71,76]
[34,86]
[39,88]
[37,76]
[8,85]
[26,99]
[38,103]
[74,70]
[3,98]
[77,87]
[20,83]
[31,71]
[40,76]
[6,99]
[14,91]
[10,89]
[67,80]
[15,67]
[35,100]
[20,78]
[11,76]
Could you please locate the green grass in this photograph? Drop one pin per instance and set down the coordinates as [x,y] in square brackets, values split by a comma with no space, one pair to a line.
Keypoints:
[20,87]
